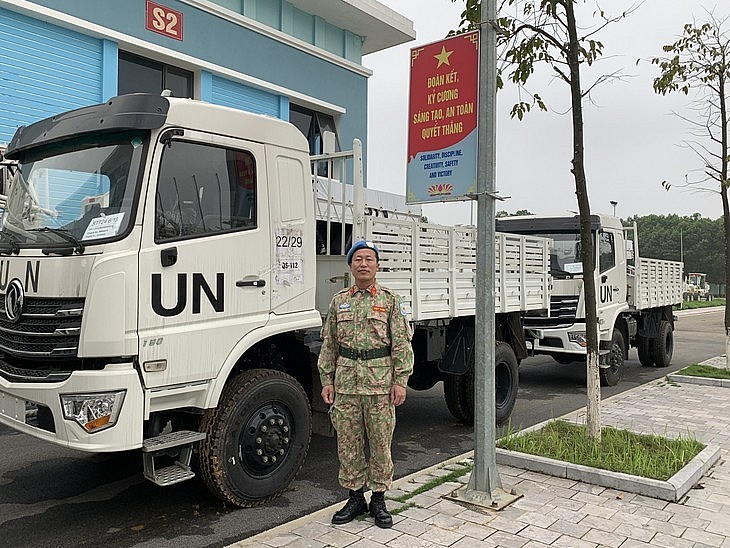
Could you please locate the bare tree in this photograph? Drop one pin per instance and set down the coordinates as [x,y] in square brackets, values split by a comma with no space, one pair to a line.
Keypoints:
[699,62]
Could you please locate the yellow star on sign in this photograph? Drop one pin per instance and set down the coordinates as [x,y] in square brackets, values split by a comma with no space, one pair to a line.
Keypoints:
[443,57]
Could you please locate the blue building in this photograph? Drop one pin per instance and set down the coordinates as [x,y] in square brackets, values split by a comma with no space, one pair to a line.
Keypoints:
[298,60]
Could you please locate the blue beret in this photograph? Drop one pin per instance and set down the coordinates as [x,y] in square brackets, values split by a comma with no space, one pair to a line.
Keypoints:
[362,244]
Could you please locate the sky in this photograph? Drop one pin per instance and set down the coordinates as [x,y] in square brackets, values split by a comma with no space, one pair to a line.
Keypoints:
[633,137]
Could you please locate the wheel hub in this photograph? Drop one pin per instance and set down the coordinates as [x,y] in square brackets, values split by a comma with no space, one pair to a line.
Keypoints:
[266,439]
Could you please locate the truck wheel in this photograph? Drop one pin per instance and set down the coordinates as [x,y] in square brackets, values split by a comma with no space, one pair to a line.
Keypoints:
[615,360]
[643,347]
[663,347]
[459,395]
[258,437]
[506,381]
[459,389]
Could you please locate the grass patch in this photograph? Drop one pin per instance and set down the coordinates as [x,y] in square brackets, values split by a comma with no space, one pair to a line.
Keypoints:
[647,456]
[451,476]
[698,370]
[688,305]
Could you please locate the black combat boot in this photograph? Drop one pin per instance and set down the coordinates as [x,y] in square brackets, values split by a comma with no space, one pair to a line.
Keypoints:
[383,519]
[354,507]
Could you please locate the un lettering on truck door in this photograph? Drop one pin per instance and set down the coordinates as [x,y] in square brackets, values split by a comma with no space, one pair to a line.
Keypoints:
[205,264]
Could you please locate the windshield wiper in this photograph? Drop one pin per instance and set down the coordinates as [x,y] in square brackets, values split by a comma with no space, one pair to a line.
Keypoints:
[14,245]
[65,234]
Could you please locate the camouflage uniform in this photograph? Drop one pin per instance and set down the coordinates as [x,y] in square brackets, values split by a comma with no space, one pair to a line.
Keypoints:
[365,320]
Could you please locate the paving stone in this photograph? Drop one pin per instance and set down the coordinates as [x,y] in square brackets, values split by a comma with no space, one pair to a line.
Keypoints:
[539,534]
[604,538]
[572,542]
[338,539]
[442,537]
[382,536]
[409,541]
[710,539]
[412,527]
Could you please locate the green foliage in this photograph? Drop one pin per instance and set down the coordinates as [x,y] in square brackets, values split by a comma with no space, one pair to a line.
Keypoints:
[706,371]
[698,239]
[691,305]
[648,456]
[504,213]
[538,35]
[700,58]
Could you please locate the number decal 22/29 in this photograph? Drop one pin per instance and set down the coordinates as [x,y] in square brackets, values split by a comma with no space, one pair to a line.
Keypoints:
[284,240]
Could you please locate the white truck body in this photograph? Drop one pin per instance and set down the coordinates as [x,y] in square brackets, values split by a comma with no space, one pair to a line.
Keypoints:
[634,294]
[181,310]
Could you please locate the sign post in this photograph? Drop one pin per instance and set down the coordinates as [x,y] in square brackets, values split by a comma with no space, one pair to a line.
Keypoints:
[485,486]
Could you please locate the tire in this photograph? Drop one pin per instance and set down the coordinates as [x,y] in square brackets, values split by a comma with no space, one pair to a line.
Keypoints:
[563,359]
[459,389]
[506,381]
[459,396]
[663,346]
[259,410]
[643,347]
[615,359]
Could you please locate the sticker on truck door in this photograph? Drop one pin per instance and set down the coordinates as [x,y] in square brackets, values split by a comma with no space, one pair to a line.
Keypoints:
[289,246]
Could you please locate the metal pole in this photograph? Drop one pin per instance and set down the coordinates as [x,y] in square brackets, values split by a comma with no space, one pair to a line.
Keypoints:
[485,486]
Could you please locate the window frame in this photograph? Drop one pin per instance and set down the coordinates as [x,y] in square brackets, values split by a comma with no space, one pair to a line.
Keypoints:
[167,145]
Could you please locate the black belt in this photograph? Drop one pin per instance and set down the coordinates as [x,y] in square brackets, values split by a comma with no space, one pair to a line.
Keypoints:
[370,354]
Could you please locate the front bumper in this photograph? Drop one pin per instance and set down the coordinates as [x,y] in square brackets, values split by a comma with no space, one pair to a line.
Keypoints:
[562,341]
[35,409]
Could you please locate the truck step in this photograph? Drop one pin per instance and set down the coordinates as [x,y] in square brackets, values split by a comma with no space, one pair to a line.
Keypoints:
[181,442]
[173,439]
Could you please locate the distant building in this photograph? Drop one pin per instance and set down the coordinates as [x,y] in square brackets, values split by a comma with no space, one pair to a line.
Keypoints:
[298,60]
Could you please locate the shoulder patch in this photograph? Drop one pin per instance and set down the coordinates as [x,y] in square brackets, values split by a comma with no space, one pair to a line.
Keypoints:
[403,310]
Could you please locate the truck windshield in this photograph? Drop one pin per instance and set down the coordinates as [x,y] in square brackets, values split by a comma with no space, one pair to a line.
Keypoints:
[77,190]
[565,261]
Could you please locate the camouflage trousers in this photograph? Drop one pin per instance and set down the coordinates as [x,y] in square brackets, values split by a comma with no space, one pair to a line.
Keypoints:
[354,417]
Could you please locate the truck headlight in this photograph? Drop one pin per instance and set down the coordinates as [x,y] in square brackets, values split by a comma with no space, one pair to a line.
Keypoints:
[578,337]
[93,412]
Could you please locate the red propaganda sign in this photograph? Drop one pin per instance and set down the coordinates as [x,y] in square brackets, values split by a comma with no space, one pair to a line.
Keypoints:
[442,125]
[163,20]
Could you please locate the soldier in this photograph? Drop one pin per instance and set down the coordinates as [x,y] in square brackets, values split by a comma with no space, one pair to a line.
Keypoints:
[364,364]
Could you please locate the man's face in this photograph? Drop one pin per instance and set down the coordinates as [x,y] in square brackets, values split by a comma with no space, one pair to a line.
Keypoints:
[364,266]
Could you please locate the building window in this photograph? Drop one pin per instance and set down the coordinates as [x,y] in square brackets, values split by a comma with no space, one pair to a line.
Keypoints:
[141,75]
[313,124]
[204,190]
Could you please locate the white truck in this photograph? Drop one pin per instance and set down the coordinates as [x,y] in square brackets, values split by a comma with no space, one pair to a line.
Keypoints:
[164,268]
[634,299]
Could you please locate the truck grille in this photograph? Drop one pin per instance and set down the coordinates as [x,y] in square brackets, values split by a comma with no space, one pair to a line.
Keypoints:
[563,306]
[47,328]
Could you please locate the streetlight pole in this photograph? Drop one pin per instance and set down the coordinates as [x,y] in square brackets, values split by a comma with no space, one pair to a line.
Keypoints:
[614,203]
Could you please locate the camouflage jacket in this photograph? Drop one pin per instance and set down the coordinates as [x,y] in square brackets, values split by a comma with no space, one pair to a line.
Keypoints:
[366,320]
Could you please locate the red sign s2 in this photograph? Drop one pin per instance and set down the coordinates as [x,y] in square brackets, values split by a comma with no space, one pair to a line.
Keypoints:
[163,20]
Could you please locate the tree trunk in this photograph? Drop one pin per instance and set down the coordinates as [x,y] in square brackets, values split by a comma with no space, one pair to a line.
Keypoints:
[593,383]
[725,206]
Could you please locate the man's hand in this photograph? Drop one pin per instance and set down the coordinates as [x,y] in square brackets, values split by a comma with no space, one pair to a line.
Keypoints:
[397,394]
[328,394]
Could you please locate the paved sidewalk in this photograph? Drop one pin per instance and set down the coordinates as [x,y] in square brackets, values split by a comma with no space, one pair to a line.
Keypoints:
[556,511]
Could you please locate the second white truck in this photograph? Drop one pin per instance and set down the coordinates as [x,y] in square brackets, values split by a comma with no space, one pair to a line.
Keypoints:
[635,295]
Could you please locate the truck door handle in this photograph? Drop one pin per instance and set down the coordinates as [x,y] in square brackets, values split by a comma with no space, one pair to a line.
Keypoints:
[168,257]
[250,283]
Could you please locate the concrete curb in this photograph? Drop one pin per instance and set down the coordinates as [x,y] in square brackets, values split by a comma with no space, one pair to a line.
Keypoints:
[672,490]
[707,381]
